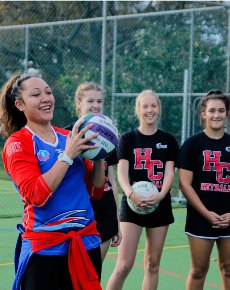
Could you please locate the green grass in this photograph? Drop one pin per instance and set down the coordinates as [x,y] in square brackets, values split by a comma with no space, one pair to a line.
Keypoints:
[10,203]
[8,236]
[174,263]
[3,174]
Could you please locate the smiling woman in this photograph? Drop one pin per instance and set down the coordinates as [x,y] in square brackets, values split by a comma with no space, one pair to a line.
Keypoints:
[146,153]
[204,166]
[88,101]
[54,182]
[37,105]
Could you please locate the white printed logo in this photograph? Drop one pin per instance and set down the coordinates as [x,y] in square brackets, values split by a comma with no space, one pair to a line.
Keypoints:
[227,149]
[13,148]
[161,146]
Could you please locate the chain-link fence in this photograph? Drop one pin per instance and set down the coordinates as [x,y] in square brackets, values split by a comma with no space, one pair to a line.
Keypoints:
[136,52]
[127,54]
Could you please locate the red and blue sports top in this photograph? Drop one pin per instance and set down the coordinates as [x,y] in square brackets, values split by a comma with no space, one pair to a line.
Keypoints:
[26,157]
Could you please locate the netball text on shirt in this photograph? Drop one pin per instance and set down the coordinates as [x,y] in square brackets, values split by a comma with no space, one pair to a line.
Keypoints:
[143,161]
[212,163]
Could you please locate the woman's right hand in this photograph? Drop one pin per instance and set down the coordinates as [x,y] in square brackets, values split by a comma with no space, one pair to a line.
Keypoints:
[76,142]
[140,202]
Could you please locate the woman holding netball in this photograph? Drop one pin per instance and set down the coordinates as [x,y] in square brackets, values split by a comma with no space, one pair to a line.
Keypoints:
[59,246]
[146,153]
[88,100]
[204,166]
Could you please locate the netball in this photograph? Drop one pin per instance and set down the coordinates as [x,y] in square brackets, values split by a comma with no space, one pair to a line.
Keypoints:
[144,189]
[107,138]
[115,145]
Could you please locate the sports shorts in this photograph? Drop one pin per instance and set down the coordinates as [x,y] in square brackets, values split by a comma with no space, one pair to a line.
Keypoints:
[105,211]
[197,226]
[162,216]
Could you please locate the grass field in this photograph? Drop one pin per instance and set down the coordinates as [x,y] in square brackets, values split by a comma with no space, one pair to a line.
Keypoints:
[10,203]
[174,264]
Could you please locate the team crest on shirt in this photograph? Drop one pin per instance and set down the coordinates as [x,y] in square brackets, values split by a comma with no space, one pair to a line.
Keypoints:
[43,155]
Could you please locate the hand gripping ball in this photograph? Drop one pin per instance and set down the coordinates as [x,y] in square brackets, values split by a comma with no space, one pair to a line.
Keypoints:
[144,189]
[107,138]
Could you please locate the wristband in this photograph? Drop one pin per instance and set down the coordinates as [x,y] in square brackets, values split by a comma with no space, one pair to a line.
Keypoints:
[65,158]
[130,195]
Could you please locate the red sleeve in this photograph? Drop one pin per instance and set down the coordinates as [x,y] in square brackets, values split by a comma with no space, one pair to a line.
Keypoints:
[21,164]
[95,193]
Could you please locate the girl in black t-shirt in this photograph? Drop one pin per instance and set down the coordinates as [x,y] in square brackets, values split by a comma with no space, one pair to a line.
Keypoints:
[88,100]
[204,174]
[145,154]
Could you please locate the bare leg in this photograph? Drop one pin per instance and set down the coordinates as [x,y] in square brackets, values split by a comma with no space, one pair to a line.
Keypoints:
[200,250]
[126,255]
[104,249]
[153,251]
[223,246]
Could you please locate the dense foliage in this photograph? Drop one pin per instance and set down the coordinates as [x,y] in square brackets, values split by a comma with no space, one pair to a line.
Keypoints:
[151,52]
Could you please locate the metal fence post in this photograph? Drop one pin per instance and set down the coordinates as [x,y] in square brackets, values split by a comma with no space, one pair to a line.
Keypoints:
[103,46]
[185,108]
[26,49]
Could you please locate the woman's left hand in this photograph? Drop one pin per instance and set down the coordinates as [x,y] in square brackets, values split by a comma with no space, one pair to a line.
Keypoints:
[224,222]
[116,240]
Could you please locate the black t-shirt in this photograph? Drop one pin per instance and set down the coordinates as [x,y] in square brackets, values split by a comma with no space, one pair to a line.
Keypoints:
[209,160]
[147,154]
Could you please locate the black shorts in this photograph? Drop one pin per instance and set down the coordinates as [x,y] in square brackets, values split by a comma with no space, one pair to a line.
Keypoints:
[105,211]
[49,272]
[162,216]
[197,226]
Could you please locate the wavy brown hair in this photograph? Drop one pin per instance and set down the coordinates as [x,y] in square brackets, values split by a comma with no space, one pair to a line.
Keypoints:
[11,119]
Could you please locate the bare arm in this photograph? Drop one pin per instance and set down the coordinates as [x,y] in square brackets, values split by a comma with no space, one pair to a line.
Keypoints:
[168,178]
[111,177]
[123,178]
[98,173]
[185,181]
[116,240]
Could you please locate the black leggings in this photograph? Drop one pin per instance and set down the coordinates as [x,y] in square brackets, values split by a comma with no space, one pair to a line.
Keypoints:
[51,272]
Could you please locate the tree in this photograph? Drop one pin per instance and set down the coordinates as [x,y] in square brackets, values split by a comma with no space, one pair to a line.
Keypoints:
[152,52]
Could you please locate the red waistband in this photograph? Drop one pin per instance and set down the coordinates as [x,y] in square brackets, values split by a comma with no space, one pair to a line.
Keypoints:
[83,274]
